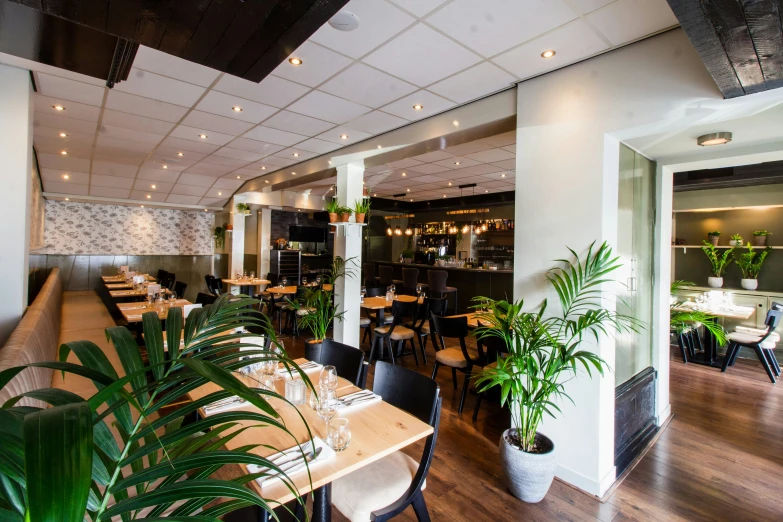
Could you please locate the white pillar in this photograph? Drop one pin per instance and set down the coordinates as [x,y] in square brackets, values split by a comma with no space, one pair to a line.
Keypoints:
[264,240]
[16,148]
[236,241]
[348,245]
[664,185]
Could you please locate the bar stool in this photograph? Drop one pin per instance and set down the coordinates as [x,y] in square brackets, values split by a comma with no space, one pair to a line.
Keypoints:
[386,273]
[410,278]
[369,275]
[437,284]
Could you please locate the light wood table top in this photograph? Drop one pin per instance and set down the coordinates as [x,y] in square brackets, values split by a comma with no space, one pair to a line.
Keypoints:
[736,312]
[246,282]
[121,279]
[134,293]
[286,290]
[118,286]
[132,311]
[378,429]
[378,303]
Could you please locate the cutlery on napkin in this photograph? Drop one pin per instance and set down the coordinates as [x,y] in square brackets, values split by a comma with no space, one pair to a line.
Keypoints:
[294,460]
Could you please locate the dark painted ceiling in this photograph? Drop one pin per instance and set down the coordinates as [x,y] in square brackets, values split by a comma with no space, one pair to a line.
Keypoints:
[740,41]
[769,173]
[245,38]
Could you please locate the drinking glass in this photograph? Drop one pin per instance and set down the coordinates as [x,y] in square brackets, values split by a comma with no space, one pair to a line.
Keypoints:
[364,292]
[339,435]
[328,377]
[318,280]
[304,281]
[327,405]
[150,299]
[244,274]
[393,289]
[284,281]
[252,275]
[295,391]
[172,297]
[418,290]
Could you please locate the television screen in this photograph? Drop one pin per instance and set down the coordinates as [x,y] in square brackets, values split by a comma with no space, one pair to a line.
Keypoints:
[306,234]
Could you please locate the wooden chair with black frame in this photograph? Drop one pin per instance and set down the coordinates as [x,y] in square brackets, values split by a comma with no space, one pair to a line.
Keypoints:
[385,488]
[762,342]
[396,332]
[462,359]
[347,360]
[422,323]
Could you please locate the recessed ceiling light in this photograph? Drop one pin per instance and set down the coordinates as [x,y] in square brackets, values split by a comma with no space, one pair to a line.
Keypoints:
[486,191]
[66,176]
[266,181]
[202,136]
[64,152]
[180,154]
[149,197]
[456,162]
[408,190]
[455,123]
[380,147]
[449,183]
[444,195]
[411,200]
[716,138]
[404,174]
[220,193]
[165,166]
[502,175]
[296,154]
[295,61]
[418,107]
[205,210]
[239,177]
[263,168]
[63,135]
[142,206]
[330,162]
[374,195]
[343,136]
[153,187]
[548,54]
[236,108]
[58,107]
[293,173]
[67,199]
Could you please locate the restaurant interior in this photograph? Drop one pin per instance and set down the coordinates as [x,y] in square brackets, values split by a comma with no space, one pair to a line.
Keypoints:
[391,259]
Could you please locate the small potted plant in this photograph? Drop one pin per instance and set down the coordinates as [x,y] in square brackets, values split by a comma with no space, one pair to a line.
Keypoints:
[345,214]
[441,260]
[719,263]
[736,240]
[749,264]
[219,234]
[243,209]
[714,237]
[361,208]
[760,237]
[407,256]
[333,208]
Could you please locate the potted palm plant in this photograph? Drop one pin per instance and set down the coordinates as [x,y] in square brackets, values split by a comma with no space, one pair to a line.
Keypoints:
[714,237]
[361,209]
[543,351]
[760,237]
[151,466]
[681,320]
[719,263]
[749,264]
[333,208]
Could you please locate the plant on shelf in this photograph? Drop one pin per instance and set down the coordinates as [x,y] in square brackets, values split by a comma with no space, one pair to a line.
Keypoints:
[361,208]
[333,208]
[219,235]
[243,209]
[544,351]
[316,310]
[123,452]
[345,214]
[718,261]
[682,320]
[760,237]
[714,237]
[408,255]
[736,240]
[750,264]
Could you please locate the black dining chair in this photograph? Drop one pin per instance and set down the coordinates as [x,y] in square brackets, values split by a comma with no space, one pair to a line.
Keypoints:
[494,348]
[395,332]
[347,360]
[205,299]
[462,359]
[422,324]
[437,285]
[168,281]
[161,274]
[179,289]
[292,314]
[763,345]
[384,489]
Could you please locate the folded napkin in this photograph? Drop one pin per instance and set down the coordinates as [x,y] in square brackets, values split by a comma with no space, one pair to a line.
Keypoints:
[140,307]
[357,400]
[229,403]
[307,367]
[326,453]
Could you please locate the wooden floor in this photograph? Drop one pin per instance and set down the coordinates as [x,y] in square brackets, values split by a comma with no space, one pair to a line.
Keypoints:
[721,457]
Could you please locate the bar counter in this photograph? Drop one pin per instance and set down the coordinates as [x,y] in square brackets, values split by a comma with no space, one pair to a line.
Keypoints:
[469,282]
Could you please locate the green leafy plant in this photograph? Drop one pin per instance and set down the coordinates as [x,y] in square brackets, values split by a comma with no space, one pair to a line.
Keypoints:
[751,261]
[243,208]
[682,320]
[408,254]
[762,233]
[718,261]
[333,207]
[737,237]
[345,210]
[543,351]
[64,463]
[362,206]
[317,307]
[219,234]
[715,233]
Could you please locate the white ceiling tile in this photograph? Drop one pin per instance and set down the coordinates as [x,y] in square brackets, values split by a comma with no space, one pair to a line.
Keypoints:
[301,154]
[419,8]
[63,124]
[134,122]
[492,155]
[161,88]
[432,157]
[141,195]
[210,169]
[181,199]
[238,154]
[194,133]
[171,156]
[279,162]
[155,162]
[218,192]
[121,155]
[108,142]
[376,122]
[213,202]
[271,91]
[572,42]
[422,56]
[379,169]
[195,179]
[490,27]
[76,145]
[164,176]
[53,138]
[56,161]
[404,163]
[188,145]
[78,178]
[318,64]
[250,172]
[70,90]
[318,146]
[297,123]
[146,107]
[222,104]
[496,184]
[432,103]
[190,190]
[168,65]
[224,160]
[79,111]
[259,147]
[379,21]
[334,135]
[506,164]
[468,148]
[429,168]
[586,6]
[119,133]
[160,186]
[327,107]
[213,122]
[626,20]
[426,178]
[98,180]
[275,136]
[498,176]
[368,86]
[232,184]
[109,192]
[473,83]
[114,169]
[452,162]
[65,188]
[478,170]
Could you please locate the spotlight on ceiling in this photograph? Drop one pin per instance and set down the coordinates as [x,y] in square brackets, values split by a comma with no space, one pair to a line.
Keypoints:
[548,54]
[418,107]
[716,138]
[295,61]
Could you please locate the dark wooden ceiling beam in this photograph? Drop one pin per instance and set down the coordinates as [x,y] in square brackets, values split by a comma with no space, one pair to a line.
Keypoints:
[233,44]
[766,29]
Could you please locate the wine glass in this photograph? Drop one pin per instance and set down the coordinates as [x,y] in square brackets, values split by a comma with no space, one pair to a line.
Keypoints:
[393,289]
[284,282]
[252,275]
[328,377]
[327,405]
[364,292]
[318,280]
[304,281]
[418,289]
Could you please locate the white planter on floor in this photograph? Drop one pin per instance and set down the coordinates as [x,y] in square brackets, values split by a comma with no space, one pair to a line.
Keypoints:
[750,284]
[715,282]
[528,475]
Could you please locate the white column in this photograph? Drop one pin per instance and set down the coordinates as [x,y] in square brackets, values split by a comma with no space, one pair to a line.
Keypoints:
[264,240]
[235,241]
[348,245]
[16,148]
[664,223]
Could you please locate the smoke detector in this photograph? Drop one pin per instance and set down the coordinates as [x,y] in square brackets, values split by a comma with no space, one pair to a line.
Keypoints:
[344,21]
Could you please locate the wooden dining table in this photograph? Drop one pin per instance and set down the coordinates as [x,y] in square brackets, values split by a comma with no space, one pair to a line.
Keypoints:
[378,429]
[710,357]
[132,312]
[133,293]
[236,286]
[380,304]
[121,278]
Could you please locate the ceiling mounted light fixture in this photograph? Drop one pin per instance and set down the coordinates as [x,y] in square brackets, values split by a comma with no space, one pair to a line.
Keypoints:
[64,152]
[418,107]
[449,183]
[180,154]
[66,176]
[236,108]
[63,135]
[455,123]
[715,138]
[398,231]
[502,175]
[548,54]
[465,229]
[404,174]
[142,206]
[266,181]
[456,162]
[153,187]
[296,154]
[67,199]
[408,231]
[58,107]
[220,193]
[389,231]
[202,136]
[295,61]
[293,173]
[343,136]
[165,166]
[239,177]
[149,197]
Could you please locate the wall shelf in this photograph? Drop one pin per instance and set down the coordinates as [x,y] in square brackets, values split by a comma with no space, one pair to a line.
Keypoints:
[347,228]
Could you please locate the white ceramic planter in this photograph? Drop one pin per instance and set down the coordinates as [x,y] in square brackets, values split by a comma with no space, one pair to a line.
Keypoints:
[735,243]
[750,284]
[528,475]
[715,282]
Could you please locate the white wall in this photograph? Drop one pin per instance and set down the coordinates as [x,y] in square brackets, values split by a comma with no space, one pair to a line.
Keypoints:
[569,126]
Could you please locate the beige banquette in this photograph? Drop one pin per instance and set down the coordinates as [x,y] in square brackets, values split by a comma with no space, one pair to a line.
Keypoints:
[35,339]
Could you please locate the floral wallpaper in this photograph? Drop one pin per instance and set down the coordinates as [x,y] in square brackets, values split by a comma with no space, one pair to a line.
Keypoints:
[94,229]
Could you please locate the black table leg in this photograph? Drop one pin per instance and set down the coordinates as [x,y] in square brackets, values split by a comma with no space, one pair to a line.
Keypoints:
[322,504]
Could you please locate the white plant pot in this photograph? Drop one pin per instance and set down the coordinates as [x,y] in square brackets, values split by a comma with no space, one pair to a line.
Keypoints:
[750,284]
[735,243]
[528,475]
[715,282]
